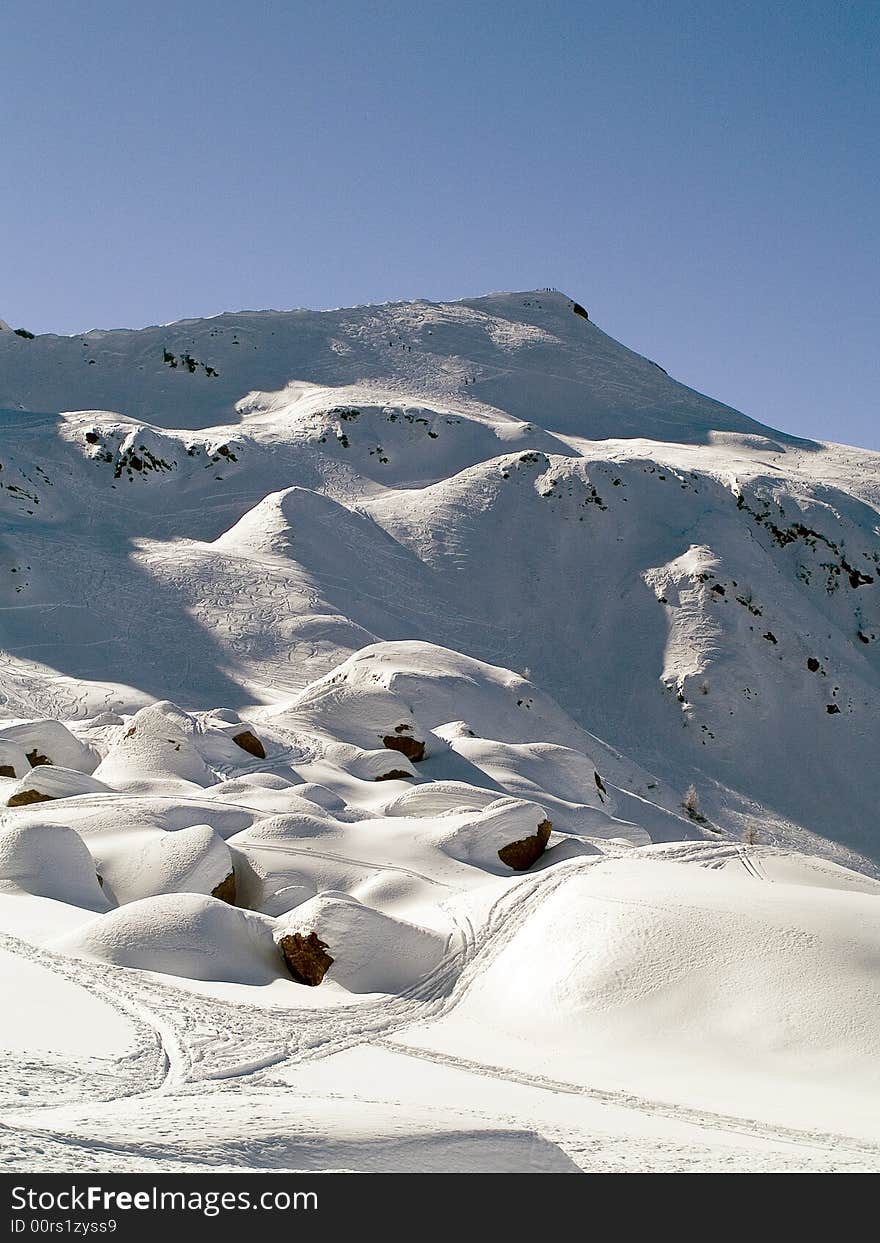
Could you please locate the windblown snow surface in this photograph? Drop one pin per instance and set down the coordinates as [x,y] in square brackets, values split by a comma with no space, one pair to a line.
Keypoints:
[396,636]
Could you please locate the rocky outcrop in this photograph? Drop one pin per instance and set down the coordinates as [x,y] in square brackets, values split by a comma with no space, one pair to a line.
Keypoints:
[6,770]
[402,741]
[225,891]
[394,774]
[24,797]
[35,758]
[522,854]
[248,741]
[305,957]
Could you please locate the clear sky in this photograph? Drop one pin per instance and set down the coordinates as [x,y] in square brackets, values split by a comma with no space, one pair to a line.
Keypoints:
[703,176]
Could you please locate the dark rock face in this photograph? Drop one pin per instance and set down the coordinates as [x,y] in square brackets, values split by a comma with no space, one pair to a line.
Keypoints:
[24,797]
[35,759]
[832,709]
[412,748]
[522,854]
[579,310]
[248,741]
[395,774]
[6,770]
[305,957]
[225,891]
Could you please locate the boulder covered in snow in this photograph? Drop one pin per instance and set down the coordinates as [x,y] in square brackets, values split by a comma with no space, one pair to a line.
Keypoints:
[50,742]
[50,861]
[156,746]
[47,782]
[372,952]
[182,934]
[511,830]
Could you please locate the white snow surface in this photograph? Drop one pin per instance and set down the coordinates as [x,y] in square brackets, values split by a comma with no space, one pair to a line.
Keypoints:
[304,618]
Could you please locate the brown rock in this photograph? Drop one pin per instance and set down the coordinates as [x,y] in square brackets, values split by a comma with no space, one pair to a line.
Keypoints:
[248,741]
[395,774]
[225,891]
[35,759]
[6,770]
[522,854]
[410,747]
[28,796]
[305,957]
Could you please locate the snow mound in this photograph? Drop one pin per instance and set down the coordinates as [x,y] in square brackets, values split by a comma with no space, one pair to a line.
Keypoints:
[13,760]
[155,747]
[50,861]
[275,830]
[50,742]
[685,983]
[46,782]
[479,839]
[191,860]
[438,798]
[319,795]
[372,952]
[381,765]
[181,934]
[416,687]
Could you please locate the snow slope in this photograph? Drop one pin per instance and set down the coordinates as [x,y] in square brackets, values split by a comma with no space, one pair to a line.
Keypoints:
[376,649]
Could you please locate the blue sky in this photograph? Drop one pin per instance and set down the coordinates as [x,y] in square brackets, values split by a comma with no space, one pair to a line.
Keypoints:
[702,176]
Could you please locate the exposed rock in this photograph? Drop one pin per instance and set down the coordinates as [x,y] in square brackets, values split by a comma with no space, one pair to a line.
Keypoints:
[812,664]
[579,310]
[832,709]
[248,741]
[225,891]
[305,957]
[522,854]
[412,748]
[35,759]
[6,770]
[28,796]
[395,774]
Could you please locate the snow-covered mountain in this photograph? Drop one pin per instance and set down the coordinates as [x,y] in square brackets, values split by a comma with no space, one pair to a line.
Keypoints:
[537,686]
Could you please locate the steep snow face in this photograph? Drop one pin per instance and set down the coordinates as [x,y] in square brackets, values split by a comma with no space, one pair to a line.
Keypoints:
[432,702]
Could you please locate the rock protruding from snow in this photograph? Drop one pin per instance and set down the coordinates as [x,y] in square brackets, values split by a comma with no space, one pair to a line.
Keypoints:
[305,956]
[402,740]
[248,741]
[522,854]
[226,891]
